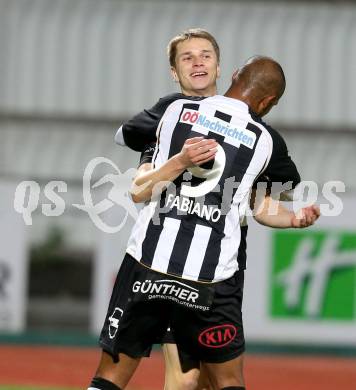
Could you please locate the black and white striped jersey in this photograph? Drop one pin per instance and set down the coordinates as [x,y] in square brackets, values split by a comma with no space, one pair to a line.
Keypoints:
[140,134]
[193,230]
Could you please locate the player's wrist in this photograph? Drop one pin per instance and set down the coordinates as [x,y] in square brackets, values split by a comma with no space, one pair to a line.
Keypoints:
[294,220]
[179,162]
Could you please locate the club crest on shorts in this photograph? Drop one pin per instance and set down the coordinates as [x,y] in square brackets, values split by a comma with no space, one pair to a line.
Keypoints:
[217,336]
[114,320]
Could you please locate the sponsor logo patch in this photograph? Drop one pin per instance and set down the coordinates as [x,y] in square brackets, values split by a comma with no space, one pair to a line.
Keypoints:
[218,336]
[204,123]
[173,290]
[114,320]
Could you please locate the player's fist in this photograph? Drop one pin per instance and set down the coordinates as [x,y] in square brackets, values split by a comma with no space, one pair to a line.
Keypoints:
[197,151]
[305,217]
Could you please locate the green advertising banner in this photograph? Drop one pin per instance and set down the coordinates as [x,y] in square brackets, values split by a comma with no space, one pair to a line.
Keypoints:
[313,275]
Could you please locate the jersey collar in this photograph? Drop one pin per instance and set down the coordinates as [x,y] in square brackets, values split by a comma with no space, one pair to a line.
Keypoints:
[239,104]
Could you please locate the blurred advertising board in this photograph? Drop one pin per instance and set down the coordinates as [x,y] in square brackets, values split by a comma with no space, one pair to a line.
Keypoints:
[301,283]
[13,263]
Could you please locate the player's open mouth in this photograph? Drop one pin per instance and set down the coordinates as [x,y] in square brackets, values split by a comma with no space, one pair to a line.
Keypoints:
[199,74]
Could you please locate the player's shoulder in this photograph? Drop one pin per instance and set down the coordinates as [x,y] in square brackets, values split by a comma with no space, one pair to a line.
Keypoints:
[167,99]
[173,99]
[278,140]
[221,100]
[178,100]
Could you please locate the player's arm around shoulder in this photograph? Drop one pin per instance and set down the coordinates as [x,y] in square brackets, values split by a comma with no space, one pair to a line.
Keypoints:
[270,212]
[150,181]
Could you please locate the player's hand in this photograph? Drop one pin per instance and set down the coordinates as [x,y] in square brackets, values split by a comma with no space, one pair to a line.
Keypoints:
[305,217]
[197,151]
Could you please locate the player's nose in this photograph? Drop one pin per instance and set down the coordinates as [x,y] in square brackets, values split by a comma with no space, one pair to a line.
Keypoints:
[197,61]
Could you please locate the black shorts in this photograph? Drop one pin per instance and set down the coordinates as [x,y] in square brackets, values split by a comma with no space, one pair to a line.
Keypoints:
[205,318]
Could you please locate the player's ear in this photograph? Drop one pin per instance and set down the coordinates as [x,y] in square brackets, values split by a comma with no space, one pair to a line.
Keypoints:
[174,74]
[266,103]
